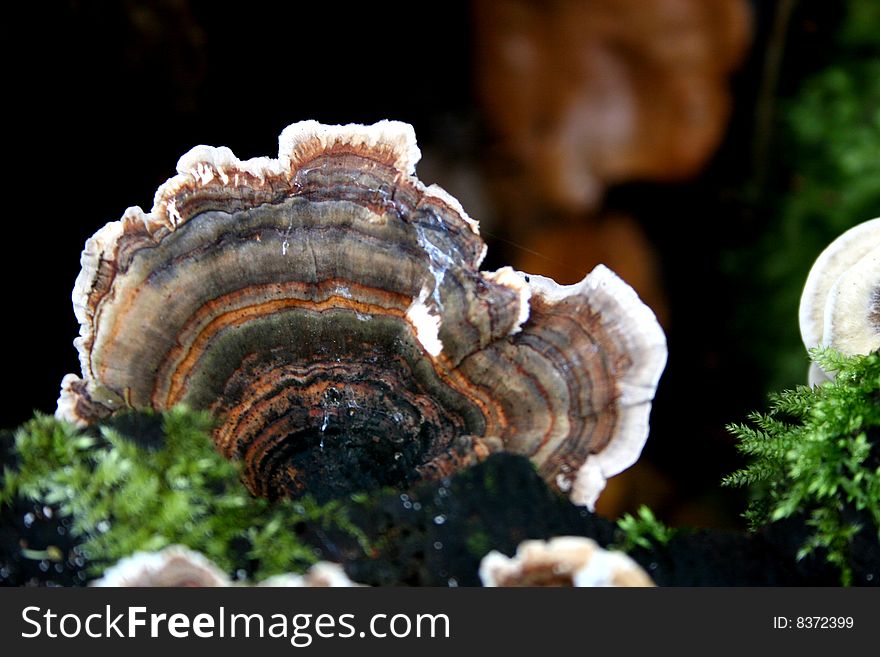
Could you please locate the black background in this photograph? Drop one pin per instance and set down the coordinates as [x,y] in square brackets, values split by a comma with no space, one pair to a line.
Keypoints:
[102,100]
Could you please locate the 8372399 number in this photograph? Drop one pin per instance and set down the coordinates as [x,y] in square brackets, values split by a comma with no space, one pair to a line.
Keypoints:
[813,623]
[823,622]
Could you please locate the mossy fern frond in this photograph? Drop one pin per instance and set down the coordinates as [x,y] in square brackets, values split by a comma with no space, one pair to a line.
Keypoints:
[643,530]
[123,496]
[817,452]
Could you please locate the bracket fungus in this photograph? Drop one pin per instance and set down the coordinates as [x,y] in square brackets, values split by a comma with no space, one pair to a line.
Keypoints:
[562,561]
[840,304]
[324,574]
[329,309]
[174,566]
[178,566]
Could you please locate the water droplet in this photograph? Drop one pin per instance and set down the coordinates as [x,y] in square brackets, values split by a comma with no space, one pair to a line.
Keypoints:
[404,497]
[397,456]
[407,505]
[452,582]
[416,506]
[332,397]
[44,565]
[869,577]
[29,519]
[440,519]
[240,574]
[438,545]
[103,526]
[59,568]
[652,565]
[47,512]
[284,246]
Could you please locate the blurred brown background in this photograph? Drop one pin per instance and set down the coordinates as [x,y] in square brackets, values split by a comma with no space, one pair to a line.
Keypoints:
[576,131]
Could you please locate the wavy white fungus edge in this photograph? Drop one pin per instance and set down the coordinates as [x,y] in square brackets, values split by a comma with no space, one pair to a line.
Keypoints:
[577,557]
[629,320]
[837,300]
[510,278]
[322,574]
[834,261]
[606,568]
[198,167]
[175,563]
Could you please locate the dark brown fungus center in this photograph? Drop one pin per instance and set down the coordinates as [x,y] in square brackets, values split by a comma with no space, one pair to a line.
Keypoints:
[335,415]
[330,310]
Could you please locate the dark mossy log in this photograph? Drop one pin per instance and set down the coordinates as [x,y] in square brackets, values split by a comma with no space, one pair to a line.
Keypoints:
[438,533]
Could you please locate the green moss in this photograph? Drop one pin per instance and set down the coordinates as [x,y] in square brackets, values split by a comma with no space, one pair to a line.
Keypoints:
[125,494]
[478,543]
[643,530]
[489,482]
[817,453]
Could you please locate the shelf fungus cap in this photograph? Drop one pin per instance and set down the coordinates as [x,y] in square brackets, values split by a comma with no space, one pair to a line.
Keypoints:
[324,574]
[331,312]
[562,561]
[840,304]
[174,566]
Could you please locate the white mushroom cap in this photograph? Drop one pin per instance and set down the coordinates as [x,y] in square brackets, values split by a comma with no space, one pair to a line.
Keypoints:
[178,566]
[851,314]
[840,305]
[175,566]
[322,575]
[562,561]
